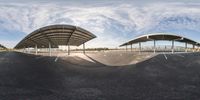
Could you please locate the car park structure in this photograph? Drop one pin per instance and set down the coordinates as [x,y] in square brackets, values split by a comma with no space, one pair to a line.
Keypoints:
[94,75]
[162,36]
[55,35]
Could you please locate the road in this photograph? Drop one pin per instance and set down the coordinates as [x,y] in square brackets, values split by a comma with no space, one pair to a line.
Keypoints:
[30,77]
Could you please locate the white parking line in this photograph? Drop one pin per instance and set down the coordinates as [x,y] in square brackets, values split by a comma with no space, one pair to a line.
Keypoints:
[165,55]
[56,59]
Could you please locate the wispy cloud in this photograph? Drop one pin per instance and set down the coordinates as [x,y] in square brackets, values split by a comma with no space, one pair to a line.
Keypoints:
[112,24]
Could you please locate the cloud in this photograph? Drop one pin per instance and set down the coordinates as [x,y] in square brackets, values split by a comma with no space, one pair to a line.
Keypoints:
[112,24]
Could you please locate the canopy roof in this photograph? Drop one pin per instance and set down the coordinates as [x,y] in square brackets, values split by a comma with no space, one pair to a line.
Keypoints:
[160,36]
[56,35]
[2,47]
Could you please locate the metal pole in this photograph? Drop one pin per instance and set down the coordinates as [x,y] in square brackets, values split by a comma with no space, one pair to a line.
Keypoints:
[24,50]
[198,48]
[83,48]
[154,46]
[193,47]
[49,49]
[126,47]
[36,50]
[68,50]
[29,50]
[186,47]
[140,47]
[172,46]
[131,47]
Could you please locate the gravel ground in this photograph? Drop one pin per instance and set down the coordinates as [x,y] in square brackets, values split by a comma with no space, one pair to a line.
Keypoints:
[163,77]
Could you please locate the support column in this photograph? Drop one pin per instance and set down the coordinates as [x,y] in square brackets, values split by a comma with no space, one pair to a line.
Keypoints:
[186,47]
[172,46]
[24,50]
[36,50]
[198,48]
[83,48]
[131,47]
[126,48]
[154,48]
[49,49]
[68,50]
[29,50]
[140,48]
[193,48]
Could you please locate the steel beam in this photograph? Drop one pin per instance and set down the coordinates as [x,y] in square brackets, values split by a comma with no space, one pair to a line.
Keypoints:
[83,48]
[47,37]
[24,50]
[36,50]
[49,49]
[185,46]
[126,48]
[29,51]
[131,47]
[198,48]
[154,48]
[140,48]
[71,35]
[68,49]
[172,46]
[193,48]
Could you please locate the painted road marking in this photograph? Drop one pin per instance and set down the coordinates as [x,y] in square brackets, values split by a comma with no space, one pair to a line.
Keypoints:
[56,59]
[165,55]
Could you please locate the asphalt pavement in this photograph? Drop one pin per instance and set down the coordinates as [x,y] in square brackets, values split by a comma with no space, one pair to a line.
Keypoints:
[163,77]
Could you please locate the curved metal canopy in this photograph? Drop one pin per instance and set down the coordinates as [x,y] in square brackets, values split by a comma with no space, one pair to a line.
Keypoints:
[161,36]
[2,47]
[56,35]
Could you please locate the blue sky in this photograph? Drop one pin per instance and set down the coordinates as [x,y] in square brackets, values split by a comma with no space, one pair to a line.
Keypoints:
[114,21]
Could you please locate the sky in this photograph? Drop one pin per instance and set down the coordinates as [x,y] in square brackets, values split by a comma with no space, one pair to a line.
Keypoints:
[113,22]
